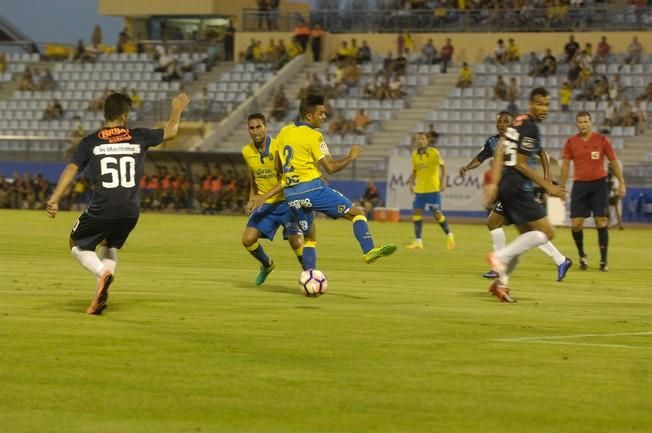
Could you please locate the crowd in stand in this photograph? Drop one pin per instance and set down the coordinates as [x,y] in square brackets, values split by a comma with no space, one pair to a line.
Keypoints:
[582,82]
[216,191]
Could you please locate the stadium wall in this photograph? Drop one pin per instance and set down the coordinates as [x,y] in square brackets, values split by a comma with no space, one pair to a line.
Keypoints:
[469,47]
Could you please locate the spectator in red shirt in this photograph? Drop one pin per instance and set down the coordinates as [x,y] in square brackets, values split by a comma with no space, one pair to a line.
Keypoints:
[603,50]
[590,194]
[446,55]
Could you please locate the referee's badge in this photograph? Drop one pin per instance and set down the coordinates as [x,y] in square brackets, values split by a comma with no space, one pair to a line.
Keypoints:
[595,155]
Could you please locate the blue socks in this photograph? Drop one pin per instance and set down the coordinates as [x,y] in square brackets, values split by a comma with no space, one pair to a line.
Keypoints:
[418,225]
[256,250]
[309,255]
[362,233]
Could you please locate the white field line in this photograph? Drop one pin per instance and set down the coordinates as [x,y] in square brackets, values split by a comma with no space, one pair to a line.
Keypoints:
[569,343]
[566,337]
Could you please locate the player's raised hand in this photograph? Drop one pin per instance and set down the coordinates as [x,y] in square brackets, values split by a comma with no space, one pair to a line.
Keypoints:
[52,208]
[254,203]
[463,170]
[180,102]
[355,151]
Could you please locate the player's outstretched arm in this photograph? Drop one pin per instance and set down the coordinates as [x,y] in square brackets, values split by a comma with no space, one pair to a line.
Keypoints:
[332,166]
[67,175]
[563,176]
[442,177]
[491,189]
[179,103]
[474,163]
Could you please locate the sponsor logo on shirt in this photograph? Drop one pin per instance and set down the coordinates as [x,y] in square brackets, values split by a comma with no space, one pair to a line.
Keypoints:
[116,149]
[528,143]
[324,148]
[595,155]
[114,135]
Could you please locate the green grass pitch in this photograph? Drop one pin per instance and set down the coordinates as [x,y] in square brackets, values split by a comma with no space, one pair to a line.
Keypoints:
[411,343]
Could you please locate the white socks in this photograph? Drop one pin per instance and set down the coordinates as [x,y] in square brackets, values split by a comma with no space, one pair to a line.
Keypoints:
[89,260]
[521,244]
[498,238]
[109,257]
[553,252]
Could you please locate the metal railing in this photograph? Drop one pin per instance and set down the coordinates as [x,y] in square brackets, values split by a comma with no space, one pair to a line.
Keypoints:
[594,17]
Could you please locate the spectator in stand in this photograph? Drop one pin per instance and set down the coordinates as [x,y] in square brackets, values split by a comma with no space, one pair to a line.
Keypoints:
[400,62]
[634,52]
[360,122]
[54,111]
[513,53]
[513,90]
[257,54]
[534,64]
[557,13]
[382,85]
[433,136]
[294,49]
[400,43]
[92,53]
[97,103]
[500,89]
[264,14]
[465,78]
[610,119]
[370,198]
[588,49]
[354,48]
[600,89]
[125,44]
[302,34]
[388,62]
[281,104]
[344,53]
[351,75]
[548,64]
[369,89]
[571,48]
[340,125]
[3,63]
[565,94]
[47,81]
[27,81]
[364,53]
[395,87]
[282,54]
[500,53]
[615,87]
[429,53]
[602,52]
[446,55]
[229,41]
[625,115]
[316,38]
[271,53]
[640,110]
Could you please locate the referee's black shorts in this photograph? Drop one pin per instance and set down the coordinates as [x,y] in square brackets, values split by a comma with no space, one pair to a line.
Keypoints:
[88,231]
[590,198]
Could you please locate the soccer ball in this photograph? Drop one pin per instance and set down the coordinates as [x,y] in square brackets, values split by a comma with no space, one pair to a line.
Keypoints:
[313,282]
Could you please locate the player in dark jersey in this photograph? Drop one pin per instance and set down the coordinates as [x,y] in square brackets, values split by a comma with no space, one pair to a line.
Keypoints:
[496,219]
[512,184]
[114,157]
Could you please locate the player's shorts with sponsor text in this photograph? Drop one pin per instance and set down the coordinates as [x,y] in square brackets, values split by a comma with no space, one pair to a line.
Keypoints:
[270,216]
[316,196]
[590,197]
[88,231]
[519,205]
[427,201]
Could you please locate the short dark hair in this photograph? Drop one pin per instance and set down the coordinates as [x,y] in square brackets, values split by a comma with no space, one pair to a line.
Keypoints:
[504,113]
[538,91]
[259,116]
[582,114]
[309,104]
[115,105]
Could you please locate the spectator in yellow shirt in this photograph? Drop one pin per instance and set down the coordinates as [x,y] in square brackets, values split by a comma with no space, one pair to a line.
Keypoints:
[466,77]
[565,94]
[513,54]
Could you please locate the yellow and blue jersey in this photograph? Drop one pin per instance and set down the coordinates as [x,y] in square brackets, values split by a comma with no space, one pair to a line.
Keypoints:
[426,168]
[262,167]
[300,148]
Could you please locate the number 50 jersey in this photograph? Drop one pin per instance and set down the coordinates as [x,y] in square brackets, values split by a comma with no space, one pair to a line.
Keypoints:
[521,137]
[300,148]
[114,159]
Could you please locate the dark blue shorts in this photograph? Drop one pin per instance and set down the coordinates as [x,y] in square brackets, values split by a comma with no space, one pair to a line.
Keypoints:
[519,204]
[589,198]
[269,217]
[427,201]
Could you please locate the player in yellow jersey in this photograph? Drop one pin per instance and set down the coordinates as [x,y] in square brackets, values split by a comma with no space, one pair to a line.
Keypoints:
[302,152]
[264,221]
[428,180]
